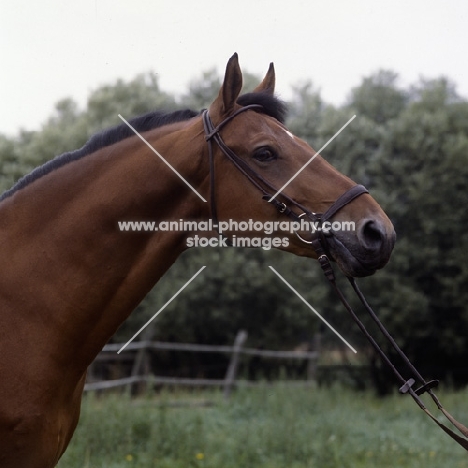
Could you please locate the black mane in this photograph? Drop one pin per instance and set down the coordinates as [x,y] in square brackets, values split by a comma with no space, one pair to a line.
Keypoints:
[270,106]
[102,139]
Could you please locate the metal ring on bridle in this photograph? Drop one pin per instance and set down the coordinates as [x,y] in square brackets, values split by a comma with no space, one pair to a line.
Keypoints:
[298,235]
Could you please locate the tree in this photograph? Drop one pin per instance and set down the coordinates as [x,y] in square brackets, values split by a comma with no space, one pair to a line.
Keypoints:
[203,91]
[140,95]
[306,112]
[378,97]
[410,149]
[422,167]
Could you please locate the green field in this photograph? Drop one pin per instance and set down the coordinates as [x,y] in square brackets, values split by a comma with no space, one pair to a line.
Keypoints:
[268,427]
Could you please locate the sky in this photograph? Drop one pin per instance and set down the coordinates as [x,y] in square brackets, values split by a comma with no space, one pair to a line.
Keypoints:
[54,49]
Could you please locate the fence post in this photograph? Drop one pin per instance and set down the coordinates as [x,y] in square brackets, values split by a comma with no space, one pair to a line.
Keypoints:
[312,364]
[140,366]
[230,378]
[90,377]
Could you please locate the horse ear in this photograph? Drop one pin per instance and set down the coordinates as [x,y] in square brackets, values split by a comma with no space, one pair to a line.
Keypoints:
[229,92]
[268,83]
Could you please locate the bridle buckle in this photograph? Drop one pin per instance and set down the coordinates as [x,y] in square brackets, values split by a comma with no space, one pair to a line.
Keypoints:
[282,207]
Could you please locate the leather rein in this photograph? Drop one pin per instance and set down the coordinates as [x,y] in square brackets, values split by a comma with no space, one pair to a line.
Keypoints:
[319,244]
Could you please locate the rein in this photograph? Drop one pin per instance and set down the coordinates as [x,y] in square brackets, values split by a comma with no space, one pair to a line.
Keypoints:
[406,385]
[319,244]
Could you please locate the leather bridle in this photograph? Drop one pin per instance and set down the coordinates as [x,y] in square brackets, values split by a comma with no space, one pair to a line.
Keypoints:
[265,187]
[319,244]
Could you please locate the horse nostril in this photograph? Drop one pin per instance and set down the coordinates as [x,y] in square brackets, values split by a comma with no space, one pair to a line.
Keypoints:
[371,235]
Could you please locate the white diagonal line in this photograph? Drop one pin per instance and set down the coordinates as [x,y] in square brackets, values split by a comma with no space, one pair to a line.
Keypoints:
[161,309]
[162,159]
[312,158]
[313,310]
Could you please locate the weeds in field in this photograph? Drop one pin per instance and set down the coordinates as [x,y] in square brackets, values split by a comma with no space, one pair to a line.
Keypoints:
[268,427]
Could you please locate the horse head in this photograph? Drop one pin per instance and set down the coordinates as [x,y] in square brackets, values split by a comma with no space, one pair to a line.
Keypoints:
[266,162]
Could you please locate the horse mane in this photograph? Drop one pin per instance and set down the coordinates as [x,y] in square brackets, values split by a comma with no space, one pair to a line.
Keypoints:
[100,140]
[271,106]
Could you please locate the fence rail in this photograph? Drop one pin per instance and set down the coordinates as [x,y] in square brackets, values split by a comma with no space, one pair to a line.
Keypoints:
[114,347]
[177,381]
[109,353]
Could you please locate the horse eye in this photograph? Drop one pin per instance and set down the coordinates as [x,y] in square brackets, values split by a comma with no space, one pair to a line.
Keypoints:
[265,154]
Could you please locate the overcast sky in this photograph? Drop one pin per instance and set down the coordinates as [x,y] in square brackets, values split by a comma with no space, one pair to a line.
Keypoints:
[51,49]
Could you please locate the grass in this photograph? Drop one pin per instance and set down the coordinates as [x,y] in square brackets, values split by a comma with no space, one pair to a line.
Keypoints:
[267,427]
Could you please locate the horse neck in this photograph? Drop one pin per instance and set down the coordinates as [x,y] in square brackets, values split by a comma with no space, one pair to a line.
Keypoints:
[83,276]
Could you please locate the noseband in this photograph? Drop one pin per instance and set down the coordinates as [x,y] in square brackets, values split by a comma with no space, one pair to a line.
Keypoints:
[319,244]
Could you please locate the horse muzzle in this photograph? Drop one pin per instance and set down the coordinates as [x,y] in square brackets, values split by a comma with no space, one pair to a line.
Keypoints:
[363,251]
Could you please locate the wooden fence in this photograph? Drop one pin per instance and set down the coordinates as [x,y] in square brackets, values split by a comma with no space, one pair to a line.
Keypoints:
[141,348]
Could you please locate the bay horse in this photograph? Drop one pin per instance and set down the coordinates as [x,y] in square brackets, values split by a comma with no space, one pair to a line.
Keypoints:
[70,277]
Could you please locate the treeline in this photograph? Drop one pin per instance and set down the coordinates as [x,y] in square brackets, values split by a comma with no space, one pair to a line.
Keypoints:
[409,146]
